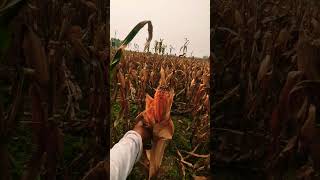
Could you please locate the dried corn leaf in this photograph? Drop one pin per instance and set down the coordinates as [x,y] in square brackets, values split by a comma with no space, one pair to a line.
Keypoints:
[156,156]
[308,130]
[265,66]
[238,18]
[283,37]
[199,178]
[35,56]
[74,36]
[316,25]
[162,81]
[279,113]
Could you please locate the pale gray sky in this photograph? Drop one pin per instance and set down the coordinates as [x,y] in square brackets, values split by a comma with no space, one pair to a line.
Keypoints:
[172,20]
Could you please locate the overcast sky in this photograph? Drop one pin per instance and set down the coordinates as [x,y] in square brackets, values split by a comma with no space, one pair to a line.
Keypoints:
[172,20]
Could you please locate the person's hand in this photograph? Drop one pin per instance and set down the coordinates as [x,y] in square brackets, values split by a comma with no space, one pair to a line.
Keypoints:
[144,132]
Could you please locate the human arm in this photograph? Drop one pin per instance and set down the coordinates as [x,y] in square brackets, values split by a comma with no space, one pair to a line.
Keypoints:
[127,152]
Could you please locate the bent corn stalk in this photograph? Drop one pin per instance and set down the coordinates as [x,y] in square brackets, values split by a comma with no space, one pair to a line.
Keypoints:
[128,39]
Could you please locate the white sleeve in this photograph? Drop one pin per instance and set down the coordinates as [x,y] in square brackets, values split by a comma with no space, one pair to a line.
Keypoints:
[124,155]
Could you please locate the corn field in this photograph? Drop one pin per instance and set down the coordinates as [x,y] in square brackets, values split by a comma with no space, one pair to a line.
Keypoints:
[57,80]
[266,89]
[138,74]
[54,96]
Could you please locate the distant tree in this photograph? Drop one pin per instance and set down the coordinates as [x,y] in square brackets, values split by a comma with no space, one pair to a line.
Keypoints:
[115,43]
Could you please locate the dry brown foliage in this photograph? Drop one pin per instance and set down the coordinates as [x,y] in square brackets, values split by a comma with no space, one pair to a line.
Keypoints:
[139,74]
[56,69]
[265,76]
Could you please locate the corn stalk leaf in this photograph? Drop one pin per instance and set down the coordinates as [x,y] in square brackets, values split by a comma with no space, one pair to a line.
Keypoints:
[128,39]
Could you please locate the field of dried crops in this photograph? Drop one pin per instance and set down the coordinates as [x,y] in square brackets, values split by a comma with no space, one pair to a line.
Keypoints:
[187,154]
[266,86]
[53,88]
